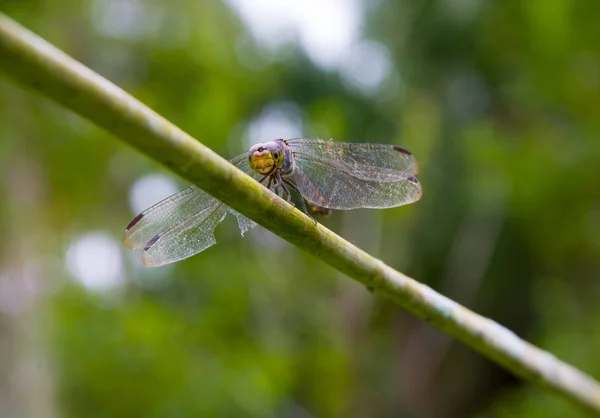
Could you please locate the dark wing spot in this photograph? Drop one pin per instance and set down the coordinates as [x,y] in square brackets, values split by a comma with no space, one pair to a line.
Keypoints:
[134,221]
[402,150]
[152,241]
[413,179]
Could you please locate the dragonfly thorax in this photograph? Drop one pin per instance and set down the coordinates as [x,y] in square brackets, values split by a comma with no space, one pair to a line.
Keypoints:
[266,158]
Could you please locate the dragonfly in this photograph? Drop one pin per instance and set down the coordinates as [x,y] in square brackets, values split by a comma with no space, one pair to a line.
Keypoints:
[329,175]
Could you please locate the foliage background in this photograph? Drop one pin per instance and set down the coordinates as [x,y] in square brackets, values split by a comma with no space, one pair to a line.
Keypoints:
[498,100]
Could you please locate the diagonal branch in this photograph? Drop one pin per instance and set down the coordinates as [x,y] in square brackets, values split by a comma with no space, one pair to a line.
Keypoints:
[40,66]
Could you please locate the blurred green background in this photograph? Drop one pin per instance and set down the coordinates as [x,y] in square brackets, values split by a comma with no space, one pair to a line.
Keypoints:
[500,102]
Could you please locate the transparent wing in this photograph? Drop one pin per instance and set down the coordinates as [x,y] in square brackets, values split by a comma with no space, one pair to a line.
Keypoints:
[164,214]
[181,225]
[357,157]
[338,175]
[245,224]
[186,237]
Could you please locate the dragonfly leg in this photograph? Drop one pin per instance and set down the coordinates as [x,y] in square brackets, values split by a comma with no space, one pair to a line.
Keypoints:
[272,187]
[302,203]
[285,189]
[279,189]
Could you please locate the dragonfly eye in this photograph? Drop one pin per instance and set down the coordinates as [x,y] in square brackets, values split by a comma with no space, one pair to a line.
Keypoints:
[278,157]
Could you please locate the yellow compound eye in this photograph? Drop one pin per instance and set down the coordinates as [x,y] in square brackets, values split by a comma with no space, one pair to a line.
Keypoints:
[278,158]
[262,163]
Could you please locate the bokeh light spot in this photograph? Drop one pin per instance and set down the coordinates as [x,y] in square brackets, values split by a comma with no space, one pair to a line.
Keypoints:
[278,120]
[149,190]
[325,29]
[366,67]
[95,261]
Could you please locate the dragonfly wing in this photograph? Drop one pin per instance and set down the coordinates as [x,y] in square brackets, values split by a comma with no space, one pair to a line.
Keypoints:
[194,234]
[164,214]
[191,203]
[338,175]
[245,224]
[340,190]
[356,157]
[186,237]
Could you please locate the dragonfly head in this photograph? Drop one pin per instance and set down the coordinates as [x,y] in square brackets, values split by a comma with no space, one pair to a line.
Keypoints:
[265,158]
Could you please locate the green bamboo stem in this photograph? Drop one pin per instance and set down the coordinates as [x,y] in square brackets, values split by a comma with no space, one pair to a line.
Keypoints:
[36,64]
